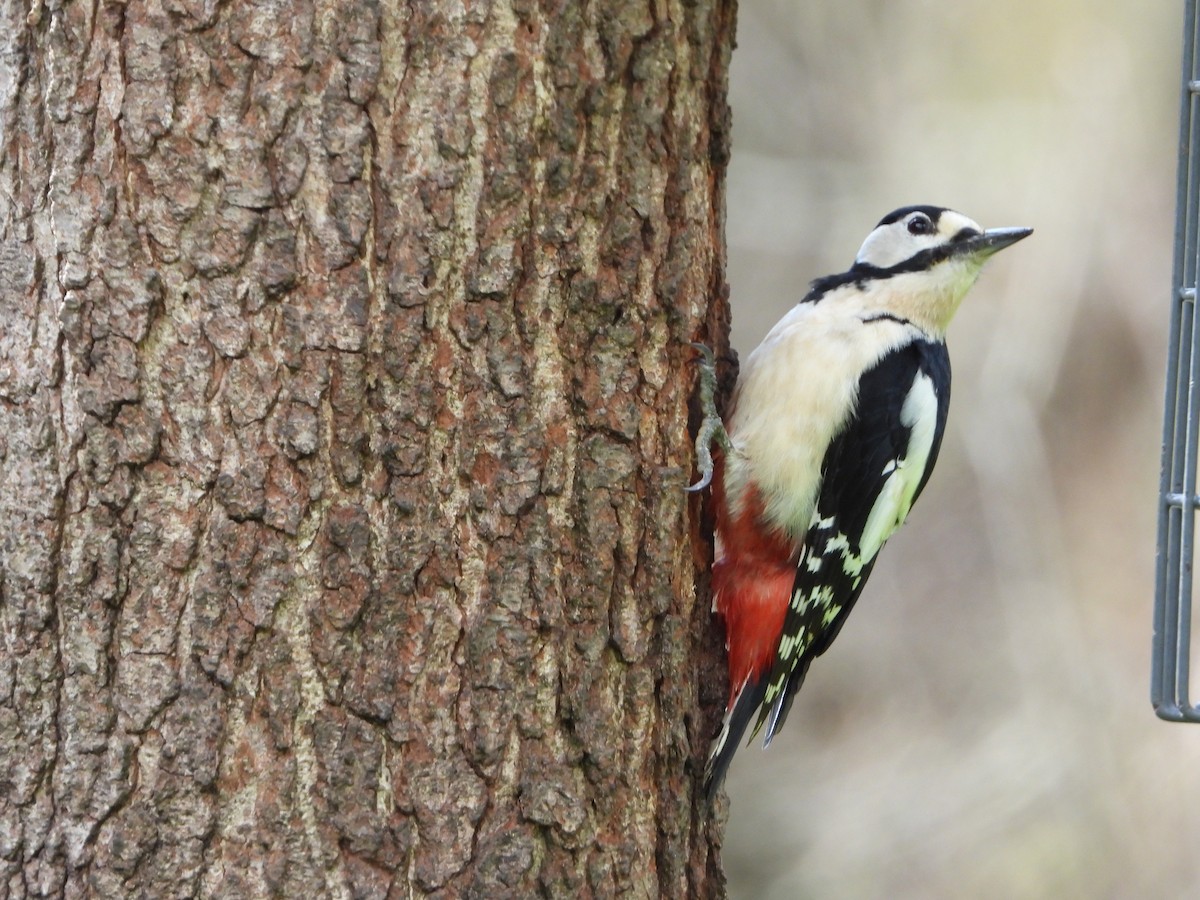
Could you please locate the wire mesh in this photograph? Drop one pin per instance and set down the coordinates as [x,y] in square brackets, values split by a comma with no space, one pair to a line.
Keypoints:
[1171,659]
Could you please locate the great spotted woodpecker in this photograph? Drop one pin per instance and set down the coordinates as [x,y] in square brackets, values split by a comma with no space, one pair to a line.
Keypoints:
[836,423]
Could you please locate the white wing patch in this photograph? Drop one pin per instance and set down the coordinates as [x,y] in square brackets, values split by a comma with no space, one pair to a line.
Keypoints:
[919,415]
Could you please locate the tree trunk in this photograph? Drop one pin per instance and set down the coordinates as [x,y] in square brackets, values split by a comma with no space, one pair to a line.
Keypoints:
[344,380]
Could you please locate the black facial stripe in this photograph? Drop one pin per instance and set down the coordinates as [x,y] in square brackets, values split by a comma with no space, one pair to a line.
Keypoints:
[861,273]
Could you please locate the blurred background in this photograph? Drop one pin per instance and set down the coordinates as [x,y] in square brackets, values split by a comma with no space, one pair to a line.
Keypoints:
[982,727]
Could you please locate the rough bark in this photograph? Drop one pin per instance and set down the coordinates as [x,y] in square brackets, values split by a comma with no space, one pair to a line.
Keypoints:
[344,390]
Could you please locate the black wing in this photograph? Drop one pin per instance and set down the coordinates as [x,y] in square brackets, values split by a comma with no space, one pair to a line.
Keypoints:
[858,467]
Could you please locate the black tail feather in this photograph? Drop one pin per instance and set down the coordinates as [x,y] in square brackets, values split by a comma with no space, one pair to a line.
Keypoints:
[737,719]
[777,715]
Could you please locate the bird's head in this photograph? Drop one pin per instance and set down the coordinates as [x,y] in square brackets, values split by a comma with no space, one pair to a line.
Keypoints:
[920,261]
[917,238]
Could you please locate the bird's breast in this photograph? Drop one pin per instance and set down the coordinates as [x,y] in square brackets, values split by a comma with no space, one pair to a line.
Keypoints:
[797,391]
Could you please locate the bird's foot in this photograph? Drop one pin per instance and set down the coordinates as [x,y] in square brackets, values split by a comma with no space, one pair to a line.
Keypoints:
[712,429]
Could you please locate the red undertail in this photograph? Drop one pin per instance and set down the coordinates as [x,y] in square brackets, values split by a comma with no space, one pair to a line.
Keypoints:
[752,584]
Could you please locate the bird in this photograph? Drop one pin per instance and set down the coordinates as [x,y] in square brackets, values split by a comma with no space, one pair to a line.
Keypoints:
[836,423]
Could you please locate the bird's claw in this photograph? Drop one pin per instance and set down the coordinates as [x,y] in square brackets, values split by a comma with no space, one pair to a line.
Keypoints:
[711,427]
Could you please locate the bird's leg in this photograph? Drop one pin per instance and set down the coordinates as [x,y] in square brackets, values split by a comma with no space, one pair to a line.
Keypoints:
[712,429]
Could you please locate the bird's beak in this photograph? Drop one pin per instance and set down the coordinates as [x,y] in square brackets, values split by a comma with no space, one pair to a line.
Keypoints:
[993,240]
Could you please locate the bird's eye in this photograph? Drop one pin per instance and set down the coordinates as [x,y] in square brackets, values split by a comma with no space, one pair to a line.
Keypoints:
[920,225]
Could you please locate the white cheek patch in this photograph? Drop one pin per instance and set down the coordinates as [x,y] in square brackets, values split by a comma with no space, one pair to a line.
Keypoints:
[890,245]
